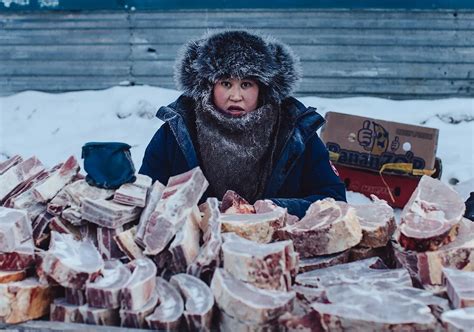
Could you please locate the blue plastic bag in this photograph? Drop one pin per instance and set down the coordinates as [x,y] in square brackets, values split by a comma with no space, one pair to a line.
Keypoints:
[108,164]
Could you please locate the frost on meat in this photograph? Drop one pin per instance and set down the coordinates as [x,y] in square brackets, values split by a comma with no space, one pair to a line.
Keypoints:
[267,266]
[15,228]
[71,263]
[199,301]
[169,313]
[138,289]
[431,217]
[426,267]
[248,303]
[259,227]
[108,214]
[105,291]
[371,271]
[367,308]
[460,287]
[328,227]
[377,221]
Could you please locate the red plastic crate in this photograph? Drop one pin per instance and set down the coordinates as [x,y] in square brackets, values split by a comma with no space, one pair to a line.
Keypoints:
[369,182]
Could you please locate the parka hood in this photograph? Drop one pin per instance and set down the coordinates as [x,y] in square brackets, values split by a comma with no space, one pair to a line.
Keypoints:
[237,54]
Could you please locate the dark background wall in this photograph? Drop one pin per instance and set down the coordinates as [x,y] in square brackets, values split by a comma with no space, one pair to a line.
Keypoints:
[408,49]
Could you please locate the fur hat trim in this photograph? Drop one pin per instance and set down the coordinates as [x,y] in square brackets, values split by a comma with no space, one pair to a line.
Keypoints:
[237,54]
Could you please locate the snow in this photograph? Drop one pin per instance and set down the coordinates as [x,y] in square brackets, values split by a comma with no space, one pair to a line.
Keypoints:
[55,126]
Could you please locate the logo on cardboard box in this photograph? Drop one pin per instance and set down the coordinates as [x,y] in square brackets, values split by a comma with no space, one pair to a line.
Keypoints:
[370,143]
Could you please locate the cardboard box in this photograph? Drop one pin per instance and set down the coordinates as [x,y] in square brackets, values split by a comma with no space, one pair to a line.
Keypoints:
[368,143]
[360,146]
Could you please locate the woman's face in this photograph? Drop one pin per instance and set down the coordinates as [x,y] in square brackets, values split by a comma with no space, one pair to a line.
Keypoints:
[236,97]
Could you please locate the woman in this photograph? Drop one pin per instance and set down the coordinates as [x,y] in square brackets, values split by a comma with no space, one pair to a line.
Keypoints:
[237,121]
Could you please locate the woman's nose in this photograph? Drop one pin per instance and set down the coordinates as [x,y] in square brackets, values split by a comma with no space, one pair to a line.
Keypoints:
[235,94]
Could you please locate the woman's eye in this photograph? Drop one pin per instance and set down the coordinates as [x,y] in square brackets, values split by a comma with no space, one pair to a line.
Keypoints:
[246,85]
[225,84]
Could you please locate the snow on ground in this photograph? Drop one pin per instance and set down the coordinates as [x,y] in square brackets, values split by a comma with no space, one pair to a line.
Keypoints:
[55,126]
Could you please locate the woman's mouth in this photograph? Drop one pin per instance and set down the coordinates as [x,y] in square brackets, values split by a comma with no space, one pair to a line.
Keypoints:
[235,110]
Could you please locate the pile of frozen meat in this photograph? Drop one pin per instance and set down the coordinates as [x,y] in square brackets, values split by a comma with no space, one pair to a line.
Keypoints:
[149,255]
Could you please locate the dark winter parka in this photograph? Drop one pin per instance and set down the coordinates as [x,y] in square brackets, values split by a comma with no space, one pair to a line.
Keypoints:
[301,172]
[301,175]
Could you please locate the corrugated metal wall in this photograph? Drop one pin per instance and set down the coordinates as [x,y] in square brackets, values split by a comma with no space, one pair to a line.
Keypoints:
[387,53]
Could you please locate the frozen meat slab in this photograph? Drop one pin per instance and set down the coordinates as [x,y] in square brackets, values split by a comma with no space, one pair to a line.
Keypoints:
[234,203]
[320,262]
[199,301]
[17,174]
[248,303]
[107,213]
[209,256]
[328,227]
[62,311]
[168,315]
[460,287]
[259,227]
[71,263]
[134,194]
[177,202]
[266,266]
[377,221]
[46,190]
[431,217]
[24,300]
[153,197]
[426,267]
[368,308]
[138,289]
[126,243]
[458,320]
[98,316]
[370,271]
[9,163]
[15,228]
[135,318]
[185,246]
[22,257]
[106,290]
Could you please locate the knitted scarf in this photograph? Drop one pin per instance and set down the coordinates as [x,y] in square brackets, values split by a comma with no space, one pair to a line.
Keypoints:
[237,152]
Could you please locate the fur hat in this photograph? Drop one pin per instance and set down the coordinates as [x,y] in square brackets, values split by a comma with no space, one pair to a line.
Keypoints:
[237,54]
